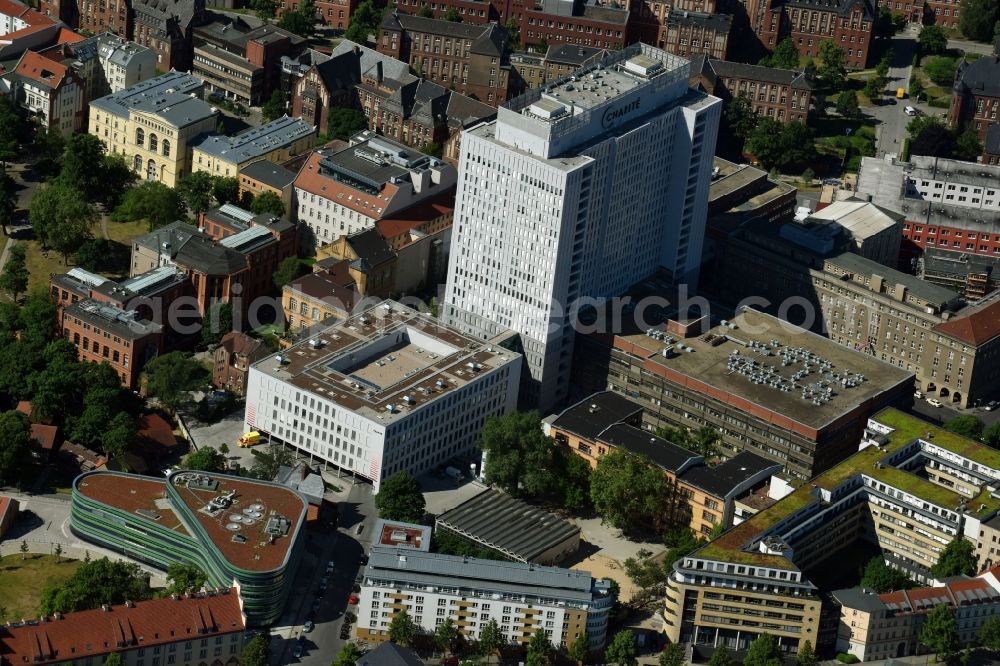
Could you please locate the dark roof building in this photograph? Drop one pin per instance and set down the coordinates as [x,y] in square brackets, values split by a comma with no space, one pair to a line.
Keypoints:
[519,531]
[976,95]
[727,478]
[660,452]
[269,173]
[591,417]
[991,145]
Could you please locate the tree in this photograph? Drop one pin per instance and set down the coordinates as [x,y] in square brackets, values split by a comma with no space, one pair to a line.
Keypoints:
[979,18]
[933,40]
[364,21]
[119,436]
[630,492]
[226,189]
[966,426]
[764,651]
[446,635]
[172,376]
[425,11]
[513,35]
[989,633]
[884,28]
[80,166]
[267,202]
[8,201]
[741,117]
[672,655]
[47,149]
[116,179]
[24,549]
[720,657]
[184,578]
[264,9]
[96,254]
[882,578]
[95,583]
[646,573]
[274,107]
[348,656]
[343,122]
[152,201]
[621,650]
[490,639]
[257,652]
[785,55]
[957,559]
[777,145]
[205,459]
[519,457]
[935,140]
[400,498]
[806,656]
[14,129]
[17,448]
[580,648]
[967,146]
[114,659]
[266,462]
[941,70]
[289,269]
[831,68]
[61,217]
[539,649]
[196,190]
[402,629]
[574,479]
[57,551]
[452,15]
[296,22]
[874,88]
[100,406]
[432,148]
[218,321]
[992,436]
[14,278]
[939,632]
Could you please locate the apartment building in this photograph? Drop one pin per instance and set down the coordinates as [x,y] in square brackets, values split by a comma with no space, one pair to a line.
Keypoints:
[227,156]
[988,543]
[232,360]
[166,27]
[946,203]
[153,123]
[885,626]
[780,94]
[333,13]
[325,296]
[240,62]
[522,598]
[975,96]
[608,421]
[471,59]
[23,28]
[387,390]
[753,405]
[182,630]
[689,33]
[51,91]
[232,528]
[848,23]
[343,192]
[565,168]
[910,490]
[106,63]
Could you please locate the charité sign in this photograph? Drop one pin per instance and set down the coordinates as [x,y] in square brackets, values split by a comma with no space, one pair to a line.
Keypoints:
[613,114]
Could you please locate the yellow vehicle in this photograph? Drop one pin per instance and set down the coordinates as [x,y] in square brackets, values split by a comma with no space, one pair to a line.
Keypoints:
[249,439]
[900,93]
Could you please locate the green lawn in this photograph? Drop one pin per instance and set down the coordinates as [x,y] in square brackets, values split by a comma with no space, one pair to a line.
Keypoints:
[833,141]
[124,232]
[43,264]
[22,582]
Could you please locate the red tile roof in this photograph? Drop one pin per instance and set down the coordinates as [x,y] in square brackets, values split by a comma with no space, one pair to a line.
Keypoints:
[369,205]
[414,217]
[953,593]
[81,635]
[46,435]
[41,70]
[67,36]
[155,435]
[977,327]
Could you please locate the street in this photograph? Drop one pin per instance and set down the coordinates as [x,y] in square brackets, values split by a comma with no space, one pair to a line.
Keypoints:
[892,120]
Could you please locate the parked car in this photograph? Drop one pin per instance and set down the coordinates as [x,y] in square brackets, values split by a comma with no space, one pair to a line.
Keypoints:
[991,405]
[308,626]
[910,111]
[316,604]
[360,528]
[933,402]
[297,650]
[919,395]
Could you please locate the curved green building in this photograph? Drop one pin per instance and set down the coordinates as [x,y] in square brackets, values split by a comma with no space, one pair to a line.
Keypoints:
[238,531]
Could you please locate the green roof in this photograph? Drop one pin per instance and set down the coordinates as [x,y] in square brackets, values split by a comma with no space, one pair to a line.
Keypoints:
[907,428]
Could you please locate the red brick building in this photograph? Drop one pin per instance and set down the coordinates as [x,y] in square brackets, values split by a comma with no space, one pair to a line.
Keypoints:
[104,333]
[580,23]
[848,23]
[975,97]
[690,33]
[780,94]
[468,58]
[232,360]
[334,13]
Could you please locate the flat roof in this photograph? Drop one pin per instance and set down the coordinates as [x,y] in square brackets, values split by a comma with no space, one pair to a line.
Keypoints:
[106,317]
[255,142]
[142,495]
[762,361]
[269,173]
[470,573]
[387,356]
[930,292]
[503,523]
[399,534]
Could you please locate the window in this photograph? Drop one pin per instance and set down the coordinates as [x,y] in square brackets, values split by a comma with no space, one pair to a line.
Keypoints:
[140,137]
[153,143]
[166,147]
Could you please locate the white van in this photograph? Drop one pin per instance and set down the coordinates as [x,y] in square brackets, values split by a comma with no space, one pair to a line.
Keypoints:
[910,111]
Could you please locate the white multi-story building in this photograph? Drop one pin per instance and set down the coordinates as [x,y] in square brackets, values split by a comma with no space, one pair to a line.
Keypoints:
[579,190]
[340,193]
[384,391]
[523,598]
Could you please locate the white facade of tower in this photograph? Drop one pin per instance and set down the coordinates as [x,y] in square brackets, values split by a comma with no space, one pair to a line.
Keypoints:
[579,191]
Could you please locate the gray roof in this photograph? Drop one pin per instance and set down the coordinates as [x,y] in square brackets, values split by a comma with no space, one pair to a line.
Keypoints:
[858,598]
[957,263]
[350,59]
[571,54]
[269,173]
[716,22]
[371,248]
[925,290]
[740,70]
[167,95]
[992,143]
[390,654]
[255,142]
[489,39]
[183,10]
[519,530]
[465,111]
[106,317]
[980,77]
[191,249]
[840,6]
[469,573]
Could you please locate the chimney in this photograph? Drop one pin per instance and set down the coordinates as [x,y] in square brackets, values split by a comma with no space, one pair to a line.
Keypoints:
[57,615]
[129,604]
[105,608]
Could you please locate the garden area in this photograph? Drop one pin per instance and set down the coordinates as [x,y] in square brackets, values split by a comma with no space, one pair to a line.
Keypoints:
[23,579]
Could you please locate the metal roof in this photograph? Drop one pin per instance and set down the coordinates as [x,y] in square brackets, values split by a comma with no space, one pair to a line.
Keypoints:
[86,277]
[256,142]
[498,521]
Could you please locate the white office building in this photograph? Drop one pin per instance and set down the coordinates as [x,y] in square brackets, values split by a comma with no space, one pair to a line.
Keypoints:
[523,598]
[577,190]
[384,391]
